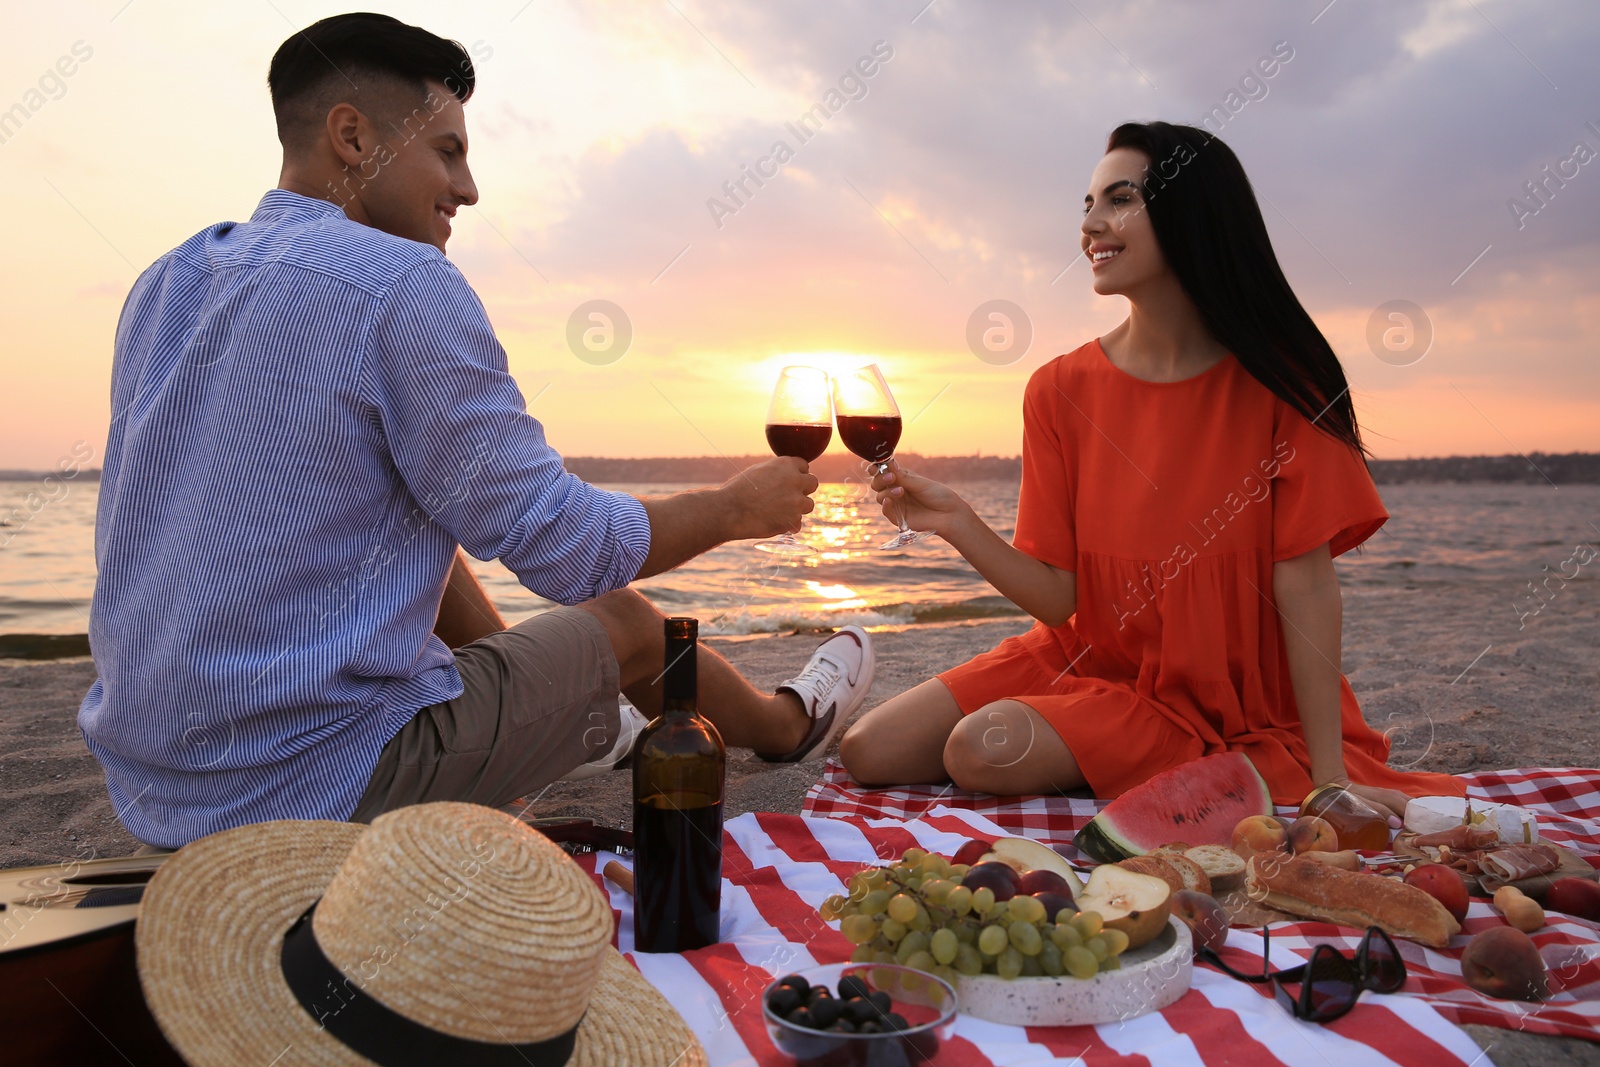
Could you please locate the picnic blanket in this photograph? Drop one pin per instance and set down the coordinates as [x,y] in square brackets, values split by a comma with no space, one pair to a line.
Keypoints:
[1566,802]
[777,869]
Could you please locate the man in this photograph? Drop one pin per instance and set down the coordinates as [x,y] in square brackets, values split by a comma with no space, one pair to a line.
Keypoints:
[310,414]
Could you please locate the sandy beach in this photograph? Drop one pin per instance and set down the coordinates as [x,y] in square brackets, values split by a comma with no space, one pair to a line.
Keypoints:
[1527,700]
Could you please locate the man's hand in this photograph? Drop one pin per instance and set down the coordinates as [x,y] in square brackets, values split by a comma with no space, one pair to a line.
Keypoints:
[768,499]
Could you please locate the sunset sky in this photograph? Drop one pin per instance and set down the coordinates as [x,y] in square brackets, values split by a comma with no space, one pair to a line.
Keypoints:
[1386,153]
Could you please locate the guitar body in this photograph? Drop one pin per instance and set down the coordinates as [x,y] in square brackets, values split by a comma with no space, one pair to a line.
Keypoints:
[68,968]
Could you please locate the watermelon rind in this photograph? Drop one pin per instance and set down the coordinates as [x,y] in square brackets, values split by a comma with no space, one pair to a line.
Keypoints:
[1199,802]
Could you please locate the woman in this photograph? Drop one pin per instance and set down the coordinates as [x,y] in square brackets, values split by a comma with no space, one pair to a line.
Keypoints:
[1187,480]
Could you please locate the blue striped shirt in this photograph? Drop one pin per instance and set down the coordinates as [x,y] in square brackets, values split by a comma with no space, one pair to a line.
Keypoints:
[308,415]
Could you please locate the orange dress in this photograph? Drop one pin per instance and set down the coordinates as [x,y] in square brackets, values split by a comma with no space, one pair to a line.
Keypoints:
[1171,501]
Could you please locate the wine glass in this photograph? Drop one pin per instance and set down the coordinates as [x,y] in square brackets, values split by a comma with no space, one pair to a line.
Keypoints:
[869,426]
[799,424]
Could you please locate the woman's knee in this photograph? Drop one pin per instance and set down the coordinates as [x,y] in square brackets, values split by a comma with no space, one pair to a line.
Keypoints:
[986,750]
[898,742]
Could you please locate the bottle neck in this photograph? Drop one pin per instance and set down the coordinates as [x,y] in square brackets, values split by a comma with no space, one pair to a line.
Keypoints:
[680,679]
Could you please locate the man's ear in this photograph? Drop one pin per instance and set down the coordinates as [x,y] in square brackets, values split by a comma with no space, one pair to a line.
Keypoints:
[351,135]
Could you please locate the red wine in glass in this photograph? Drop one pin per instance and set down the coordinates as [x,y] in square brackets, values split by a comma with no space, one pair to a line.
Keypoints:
[869,426]
[872,437]
[799,440]
[799,424]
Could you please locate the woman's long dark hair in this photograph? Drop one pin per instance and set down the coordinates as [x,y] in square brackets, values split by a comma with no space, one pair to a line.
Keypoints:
[1210,229]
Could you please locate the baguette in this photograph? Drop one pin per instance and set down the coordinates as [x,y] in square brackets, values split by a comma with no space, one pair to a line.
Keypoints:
[1314,890]
[1194,876]
[1221,864]
[1156,866]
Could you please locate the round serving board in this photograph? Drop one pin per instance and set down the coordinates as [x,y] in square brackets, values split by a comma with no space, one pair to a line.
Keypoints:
[1151,977]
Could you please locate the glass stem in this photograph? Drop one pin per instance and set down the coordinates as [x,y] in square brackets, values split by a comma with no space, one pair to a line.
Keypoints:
[883,468]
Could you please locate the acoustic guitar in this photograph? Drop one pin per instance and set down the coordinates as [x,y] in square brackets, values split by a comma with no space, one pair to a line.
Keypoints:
[68,970]
[67,964]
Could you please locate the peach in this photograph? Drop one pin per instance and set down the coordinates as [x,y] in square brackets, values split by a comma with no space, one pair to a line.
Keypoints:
[1312,833]
[1259,833]
[1504,963]
[1207,919]
[1575,896]
[1443,884]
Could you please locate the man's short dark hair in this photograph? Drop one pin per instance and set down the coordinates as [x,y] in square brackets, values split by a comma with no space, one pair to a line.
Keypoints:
[360,59]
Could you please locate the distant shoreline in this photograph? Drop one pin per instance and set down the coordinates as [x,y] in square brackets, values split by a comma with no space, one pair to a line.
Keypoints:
[1567,468]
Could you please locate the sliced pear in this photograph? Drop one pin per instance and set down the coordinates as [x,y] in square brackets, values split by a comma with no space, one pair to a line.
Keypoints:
[1023,854]
[1137,904]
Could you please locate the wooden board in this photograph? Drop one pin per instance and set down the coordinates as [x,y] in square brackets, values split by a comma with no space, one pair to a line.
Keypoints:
[1572,866]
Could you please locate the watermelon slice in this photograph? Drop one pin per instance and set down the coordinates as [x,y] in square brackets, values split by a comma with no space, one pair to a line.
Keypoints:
[1199,802]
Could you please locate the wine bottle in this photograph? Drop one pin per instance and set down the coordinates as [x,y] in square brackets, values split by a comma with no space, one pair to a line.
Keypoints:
[679,765]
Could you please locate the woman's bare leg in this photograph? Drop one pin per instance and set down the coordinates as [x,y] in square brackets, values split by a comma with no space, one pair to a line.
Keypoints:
[902,741]
[1008,748]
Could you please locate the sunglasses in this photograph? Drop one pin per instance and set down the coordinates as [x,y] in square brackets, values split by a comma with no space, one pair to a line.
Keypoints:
[1329,981]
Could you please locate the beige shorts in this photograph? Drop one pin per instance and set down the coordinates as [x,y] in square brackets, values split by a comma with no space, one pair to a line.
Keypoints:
[539,699]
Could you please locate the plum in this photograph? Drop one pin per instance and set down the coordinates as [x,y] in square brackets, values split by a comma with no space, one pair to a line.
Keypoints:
[971,851]
[1036,881]
[1575,896]
[1054,903]
[1001,879]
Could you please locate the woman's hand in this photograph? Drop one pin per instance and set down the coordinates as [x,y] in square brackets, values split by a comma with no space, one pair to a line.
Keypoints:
[1390,802]
[926,504]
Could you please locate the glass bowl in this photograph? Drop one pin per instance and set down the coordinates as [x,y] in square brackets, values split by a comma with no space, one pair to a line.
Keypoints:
[927,1003]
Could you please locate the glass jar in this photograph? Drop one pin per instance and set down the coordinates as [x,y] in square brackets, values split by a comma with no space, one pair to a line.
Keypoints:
[1357,823]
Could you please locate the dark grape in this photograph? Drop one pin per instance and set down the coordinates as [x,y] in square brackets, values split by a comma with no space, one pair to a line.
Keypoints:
[880,1000]
[843,1026]
[801,987]
[894,1021]
[825,1011]
[801,1017]
[859,1009]
[871,1026]
[851,986]
[783,1000]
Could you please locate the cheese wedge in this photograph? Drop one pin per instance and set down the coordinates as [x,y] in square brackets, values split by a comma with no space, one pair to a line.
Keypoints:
[1429,815]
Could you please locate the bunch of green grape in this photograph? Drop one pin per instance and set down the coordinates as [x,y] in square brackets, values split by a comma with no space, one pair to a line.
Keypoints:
[918,914]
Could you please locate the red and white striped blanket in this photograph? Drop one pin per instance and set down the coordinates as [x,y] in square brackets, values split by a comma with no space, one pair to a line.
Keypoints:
[778,868]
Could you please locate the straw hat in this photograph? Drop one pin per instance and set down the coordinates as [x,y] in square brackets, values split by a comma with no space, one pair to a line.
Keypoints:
[437,924]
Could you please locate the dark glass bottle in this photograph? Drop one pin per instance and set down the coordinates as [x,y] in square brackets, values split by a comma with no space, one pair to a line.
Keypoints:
[679,764]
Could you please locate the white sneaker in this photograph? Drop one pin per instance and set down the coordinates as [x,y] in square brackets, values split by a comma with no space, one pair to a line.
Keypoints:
[831,687]
[633,721]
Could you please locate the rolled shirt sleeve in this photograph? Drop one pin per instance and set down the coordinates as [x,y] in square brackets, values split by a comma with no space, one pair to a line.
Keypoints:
[477,463]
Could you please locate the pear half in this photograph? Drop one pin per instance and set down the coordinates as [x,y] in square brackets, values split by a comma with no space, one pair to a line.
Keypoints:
[1023,854]
[1137,904]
